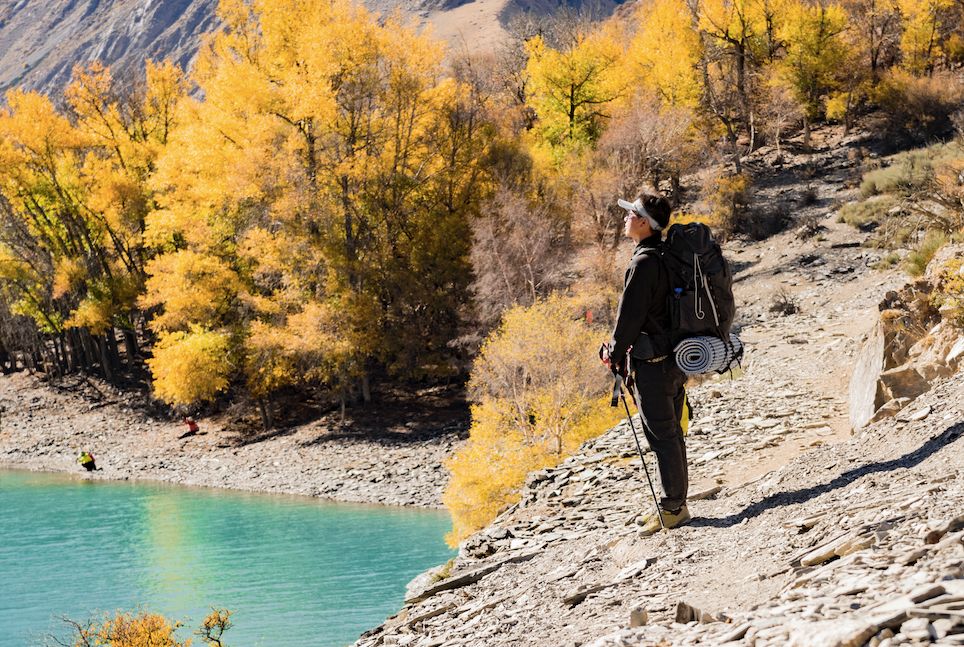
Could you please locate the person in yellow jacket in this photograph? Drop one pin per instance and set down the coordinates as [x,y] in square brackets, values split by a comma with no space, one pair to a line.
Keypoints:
[86,460]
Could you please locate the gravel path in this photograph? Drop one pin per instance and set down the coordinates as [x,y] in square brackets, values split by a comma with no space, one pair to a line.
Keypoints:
[45,428]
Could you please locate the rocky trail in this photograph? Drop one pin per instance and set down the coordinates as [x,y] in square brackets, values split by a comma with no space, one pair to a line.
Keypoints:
[843,544]
[803,534]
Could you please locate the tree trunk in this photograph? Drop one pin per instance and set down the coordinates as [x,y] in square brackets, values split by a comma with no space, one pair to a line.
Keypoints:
[806,132]
[70,351]
[104,354]
[366,389]
[77,349]
[60,353]
[752,134]
[5,358]
[112,351]
[267,420]
[87,343]
[130,346]
[731,138]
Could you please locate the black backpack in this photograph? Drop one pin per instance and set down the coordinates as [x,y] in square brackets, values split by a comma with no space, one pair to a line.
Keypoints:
[701,283]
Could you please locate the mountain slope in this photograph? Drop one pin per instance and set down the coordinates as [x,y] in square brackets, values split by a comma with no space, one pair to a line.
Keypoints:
[41,40]
[802,534]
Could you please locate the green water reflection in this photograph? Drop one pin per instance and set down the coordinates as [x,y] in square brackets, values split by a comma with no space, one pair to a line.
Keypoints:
[294,571]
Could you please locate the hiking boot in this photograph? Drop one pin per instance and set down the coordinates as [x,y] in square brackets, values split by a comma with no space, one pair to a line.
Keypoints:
[650,522]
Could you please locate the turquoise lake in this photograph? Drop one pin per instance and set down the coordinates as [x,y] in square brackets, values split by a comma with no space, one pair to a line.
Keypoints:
[294,571]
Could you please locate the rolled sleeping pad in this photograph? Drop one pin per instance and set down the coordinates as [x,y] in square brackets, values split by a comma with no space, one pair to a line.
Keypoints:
[699,355]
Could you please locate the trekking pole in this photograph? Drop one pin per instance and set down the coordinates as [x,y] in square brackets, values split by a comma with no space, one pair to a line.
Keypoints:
[622,396]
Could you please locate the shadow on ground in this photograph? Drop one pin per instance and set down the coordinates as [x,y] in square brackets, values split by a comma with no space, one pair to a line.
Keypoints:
[931,447]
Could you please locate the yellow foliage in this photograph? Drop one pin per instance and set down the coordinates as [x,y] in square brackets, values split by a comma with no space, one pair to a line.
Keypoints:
[309,346]
[189,367]
[489,471]
[727,198]
[684,218]
[920,45]
[68,274]
[193,288]
[91,313]
[838,104]
[571,89]
[540,389]
[329,162]
[129,630]
[664,54]
[816,51]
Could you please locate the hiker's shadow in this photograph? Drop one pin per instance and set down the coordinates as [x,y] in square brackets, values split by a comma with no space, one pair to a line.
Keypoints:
[948,436]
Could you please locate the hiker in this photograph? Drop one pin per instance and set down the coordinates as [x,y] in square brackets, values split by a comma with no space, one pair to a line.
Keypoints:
[643,327]
[192,427]
[86,460]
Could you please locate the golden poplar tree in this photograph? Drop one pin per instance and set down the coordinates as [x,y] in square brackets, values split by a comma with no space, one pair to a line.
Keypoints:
[816,50]
[321,189]
[664,54]
[921,40]
[74,197]
[571,89]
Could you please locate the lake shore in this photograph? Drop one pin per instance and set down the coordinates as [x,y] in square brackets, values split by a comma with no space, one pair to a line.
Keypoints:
[44,428]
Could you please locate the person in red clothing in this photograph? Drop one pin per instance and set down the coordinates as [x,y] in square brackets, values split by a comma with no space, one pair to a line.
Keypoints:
[192,427]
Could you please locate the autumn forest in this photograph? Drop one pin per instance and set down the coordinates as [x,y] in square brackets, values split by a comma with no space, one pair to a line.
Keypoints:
[330,198]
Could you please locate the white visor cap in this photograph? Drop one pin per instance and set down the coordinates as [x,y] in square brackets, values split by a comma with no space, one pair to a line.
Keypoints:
[638,208]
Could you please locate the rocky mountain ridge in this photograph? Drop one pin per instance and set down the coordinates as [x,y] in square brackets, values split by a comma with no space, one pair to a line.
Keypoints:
[42,40]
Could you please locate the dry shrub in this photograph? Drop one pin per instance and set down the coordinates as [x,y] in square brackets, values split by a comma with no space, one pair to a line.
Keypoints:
[808,197]
[761,223]
[860,214]
[910,171]
[727,196]
[809,227]
[519,252]
[784,303]
[949,296]
[146,629]
[648,143]
[919,109]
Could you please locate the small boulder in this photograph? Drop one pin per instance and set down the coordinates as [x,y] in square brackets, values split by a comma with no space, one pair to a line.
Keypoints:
[424,581]
[638,617]
[903,382]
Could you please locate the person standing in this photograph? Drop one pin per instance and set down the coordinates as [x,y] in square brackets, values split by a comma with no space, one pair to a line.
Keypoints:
[641,349]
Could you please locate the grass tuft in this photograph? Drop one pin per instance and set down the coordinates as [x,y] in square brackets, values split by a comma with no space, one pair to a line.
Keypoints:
[917,260]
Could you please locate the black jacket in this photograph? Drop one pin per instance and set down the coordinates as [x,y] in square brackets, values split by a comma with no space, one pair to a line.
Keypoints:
[643,306]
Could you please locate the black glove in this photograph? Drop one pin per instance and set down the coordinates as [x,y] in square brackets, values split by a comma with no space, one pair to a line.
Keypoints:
[618,367]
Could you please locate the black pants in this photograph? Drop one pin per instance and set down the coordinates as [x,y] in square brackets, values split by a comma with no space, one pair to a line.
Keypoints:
[659,396]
